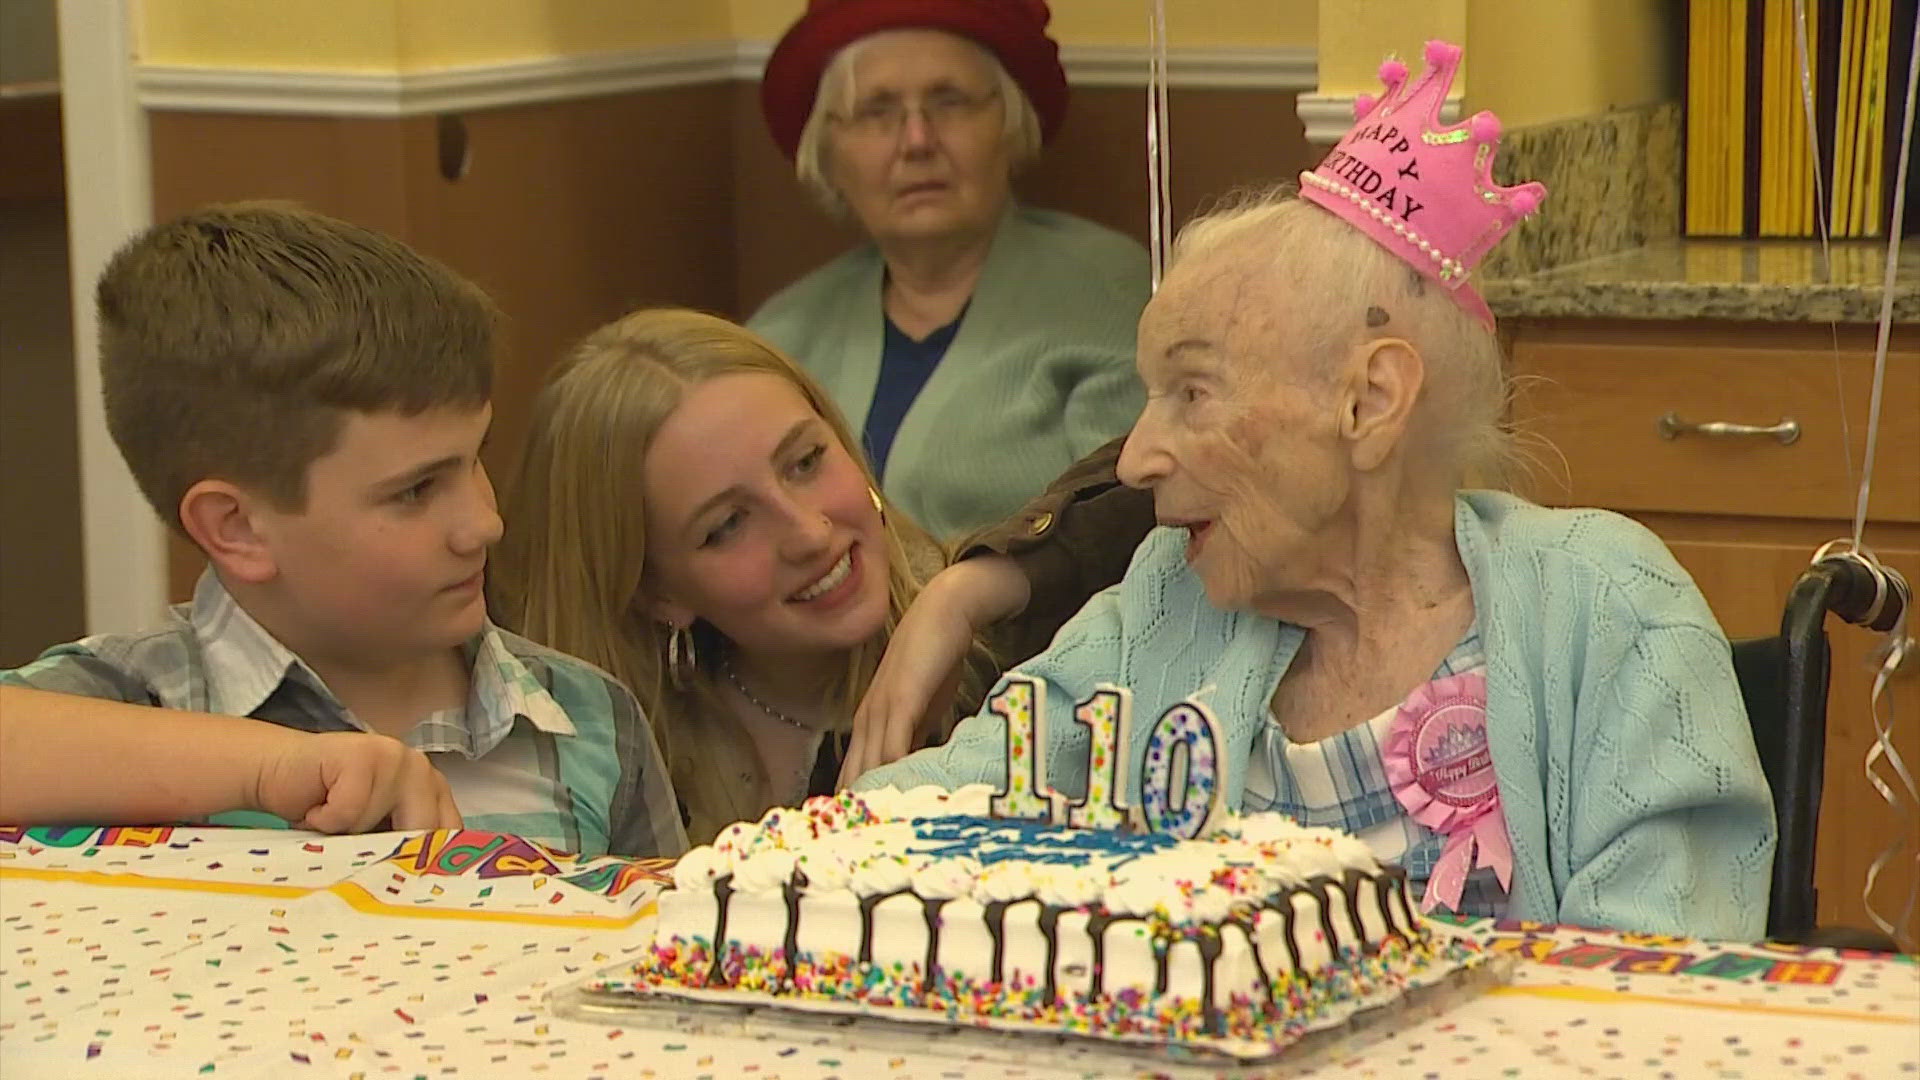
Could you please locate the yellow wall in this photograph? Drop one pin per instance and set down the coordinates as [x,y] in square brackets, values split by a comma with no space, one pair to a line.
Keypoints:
[1355,35]
[1190,23]
[1529,62]
[1538,62]
[412,35]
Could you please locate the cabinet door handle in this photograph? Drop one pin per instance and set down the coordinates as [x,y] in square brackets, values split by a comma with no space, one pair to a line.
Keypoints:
[1784,432]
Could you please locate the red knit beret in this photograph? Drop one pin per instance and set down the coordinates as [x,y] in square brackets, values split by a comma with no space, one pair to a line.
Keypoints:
[1015,31]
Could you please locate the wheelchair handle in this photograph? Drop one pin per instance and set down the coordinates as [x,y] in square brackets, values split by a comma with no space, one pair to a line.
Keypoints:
[1786,432]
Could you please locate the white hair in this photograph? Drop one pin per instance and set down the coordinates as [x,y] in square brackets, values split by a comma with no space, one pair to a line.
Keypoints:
[1330,274]
[1019,132]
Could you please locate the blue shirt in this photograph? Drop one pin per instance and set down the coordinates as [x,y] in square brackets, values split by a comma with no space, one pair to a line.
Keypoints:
[905,367]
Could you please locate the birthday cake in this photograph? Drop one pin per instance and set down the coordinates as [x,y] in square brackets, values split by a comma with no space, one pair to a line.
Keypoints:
[921,902]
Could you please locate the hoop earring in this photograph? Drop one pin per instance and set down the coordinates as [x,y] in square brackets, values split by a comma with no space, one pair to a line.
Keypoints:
[682,661]
[874,494]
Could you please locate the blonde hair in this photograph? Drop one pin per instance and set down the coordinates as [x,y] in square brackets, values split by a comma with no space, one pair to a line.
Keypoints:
[571,570]
[1331,273]
[1019,130]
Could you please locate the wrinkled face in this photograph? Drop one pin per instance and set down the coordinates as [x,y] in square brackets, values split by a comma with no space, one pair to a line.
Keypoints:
[1240,439]
[388,557]
[761,523]
[917,152]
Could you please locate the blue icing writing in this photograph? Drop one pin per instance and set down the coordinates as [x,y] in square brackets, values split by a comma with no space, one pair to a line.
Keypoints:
[991,840]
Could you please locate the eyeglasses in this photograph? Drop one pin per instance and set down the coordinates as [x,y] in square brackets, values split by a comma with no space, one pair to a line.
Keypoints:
[883,117]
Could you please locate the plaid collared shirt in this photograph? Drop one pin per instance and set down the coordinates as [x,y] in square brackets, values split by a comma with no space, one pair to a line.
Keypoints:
[1341,782]
[546,747]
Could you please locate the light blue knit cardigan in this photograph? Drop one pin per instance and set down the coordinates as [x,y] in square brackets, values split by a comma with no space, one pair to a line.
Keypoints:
[1039,374]
[1633,794]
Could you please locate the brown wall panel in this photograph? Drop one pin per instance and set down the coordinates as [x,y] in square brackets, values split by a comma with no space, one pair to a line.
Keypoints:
[568,214]
[41,599]
[1221,139]
[574,212]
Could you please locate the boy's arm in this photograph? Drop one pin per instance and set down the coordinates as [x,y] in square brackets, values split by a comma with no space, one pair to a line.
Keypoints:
[67,759]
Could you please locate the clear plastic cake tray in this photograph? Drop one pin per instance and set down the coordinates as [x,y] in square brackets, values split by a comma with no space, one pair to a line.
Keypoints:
[993,1041]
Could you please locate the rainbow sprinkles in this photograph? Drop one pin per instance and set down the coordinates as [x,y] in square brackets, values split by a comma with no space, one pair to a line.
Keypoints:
[1176,922]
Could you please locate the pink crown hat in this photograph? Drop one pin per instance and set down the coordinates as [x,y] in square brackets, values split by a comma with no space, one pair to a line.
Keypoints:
[1422,190]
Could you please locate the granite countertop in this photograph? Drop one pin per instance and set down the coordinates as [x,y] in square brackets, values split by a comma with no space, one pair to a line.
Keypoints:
[1731,280]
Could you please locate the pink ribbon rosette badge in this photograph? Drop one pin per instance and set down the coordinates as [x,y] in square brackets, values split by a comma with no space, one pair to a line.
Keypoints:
[1441,770]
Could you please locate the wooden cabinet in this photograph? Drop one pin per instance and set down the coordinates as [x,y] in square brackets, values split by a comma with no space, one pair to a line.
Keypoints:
[1744,513]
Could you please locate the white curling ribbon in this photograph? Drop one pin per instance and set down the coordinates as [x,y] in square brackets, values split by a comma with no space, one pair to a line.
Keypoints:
[1892,654]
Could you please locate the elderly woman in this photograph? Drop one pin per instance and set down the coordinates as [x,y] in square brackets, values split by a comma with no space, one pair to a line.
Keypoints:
[1323,584]
[978,346]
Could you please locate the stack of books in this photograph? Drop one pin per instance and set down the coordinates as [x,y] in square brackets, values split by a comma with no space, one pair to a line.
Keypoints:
[1752,158]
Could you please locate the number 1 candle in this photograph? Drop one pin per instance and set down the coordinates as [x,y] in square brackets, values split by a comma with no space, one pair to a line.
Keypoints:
[1107,713]
[1021,703]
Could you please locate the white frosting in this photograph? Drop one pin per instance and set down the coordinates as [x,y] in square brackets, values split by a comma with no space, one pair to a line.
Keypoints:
[764,871]
[1006,881]
[944,879]
[698,868]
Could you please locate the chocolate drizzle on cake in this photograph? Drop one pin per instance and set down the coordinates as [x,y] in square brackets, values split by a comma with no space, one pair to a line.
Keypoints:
[791,949]
[930,970]
[1097,923]
[997,927]
[1050,929]
[722,891]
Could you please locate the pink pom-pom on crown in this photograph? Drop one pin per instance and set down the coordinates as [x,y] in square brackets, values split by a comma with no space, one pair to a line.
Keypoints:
[1422,189]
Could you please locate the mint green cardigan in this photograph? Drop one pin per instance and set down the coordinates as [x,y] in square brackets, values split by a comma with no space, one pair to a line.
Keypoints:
[1633,794]
[1040,373]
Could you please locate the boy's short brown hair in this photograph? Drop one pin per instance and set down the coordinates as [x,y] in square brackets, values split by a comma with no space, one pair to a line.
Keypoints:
[234,339]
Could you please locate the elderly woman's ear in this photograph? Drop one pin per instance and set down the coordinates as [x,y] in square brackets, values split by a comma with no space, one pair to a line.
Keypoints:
[1385,376]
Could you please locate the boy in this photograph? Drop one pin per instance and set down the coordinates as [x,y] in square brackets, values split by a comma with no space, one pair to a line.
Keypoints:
[306,401]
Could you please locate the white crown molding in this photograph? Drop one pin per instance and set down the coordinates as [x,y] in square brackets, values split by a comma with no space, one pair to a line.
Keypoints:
[1329,116]
[525,82]
[464,89]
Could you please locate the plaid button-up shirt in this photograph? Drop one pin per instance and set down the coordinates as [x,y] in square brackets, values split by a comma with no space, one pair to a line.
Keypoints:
[547,746]
[1341,782]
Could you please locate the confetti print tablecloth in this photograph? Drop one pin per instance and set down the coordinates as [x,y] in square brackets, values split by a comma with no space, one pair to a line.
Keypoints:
[207,952]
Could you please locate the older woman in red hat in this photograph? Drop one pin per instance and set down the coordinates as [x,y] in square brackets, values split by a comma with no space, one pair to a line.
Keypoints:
[980,346]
